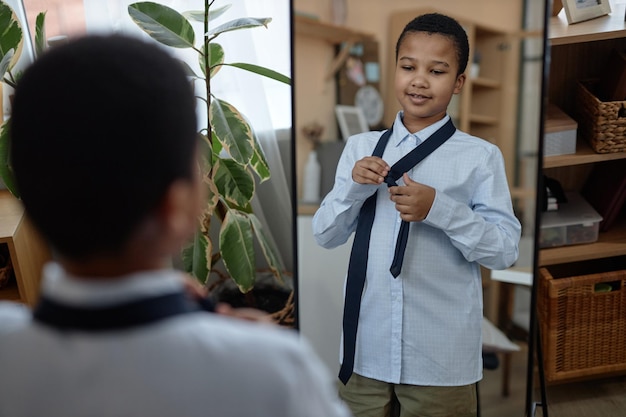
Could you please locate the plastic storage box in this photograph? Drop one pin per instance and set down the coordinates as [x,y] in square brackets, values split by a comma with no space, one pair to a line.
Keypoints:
[575,222]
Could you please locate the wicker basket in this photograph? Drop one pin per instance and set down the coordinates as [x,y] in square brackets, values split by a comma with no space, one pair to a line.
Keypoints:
[583,319]
[601,123]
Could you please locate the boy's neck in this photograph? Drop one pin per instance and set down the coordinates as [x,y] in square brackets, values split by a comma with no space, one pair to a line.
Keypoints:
[415,125]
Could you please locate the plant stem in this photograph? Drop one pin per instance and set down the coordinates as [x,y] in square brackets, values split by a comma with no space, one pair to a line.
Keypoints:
[205,37]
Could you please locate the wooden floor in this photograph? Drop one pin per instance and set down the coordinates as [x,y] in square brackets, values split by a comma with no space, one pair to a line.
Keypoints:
[593,398]
[492,402]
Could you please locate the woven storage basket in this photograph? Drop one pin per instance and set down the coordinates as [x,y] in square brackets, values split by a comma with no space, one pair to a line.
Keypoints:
[583,325]
[601,123]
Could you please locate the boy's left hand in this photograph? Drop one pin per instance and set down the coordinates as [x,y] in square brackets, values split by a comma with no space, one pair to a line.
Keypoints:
[413,200]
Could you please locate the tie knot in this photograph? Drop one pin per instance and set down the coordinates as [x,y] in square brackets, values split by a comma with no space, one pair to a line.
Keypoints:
[390,181]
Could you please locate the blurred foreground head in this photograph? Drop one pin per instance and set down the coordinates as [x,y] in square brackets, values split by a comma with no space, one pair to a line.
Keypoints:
[100,129]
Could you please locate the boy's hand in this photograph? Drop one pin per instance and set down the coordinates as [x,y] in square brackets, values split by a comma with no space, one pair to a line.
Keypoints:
[196,291]
[244,313]
[370,170]
[413,200]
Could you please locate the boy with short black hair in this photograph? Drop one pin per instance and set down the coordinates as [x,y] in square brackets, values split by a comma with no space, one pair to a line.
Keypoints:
[104,144]
[414,289]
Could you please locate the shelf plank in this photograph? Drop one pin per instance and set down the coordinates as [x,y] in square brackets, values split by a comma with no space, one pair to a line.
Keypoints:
[11,212]
[483,119]
[610,243]
[332,33]
[485,82]
[610,26]
[10,293]
[584,155]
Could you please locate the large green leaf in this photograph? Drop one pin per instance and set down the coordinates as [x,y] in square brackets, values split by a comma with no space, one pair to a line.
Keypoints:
[163,24]
[258,162]
[5,62]
[6,173]
[40,33]
[195,259]
[234,182]
[237,247]
[198,15]
[269,250]
[237,24]
[10,39]
[231,130]
[266,72]
[216,59]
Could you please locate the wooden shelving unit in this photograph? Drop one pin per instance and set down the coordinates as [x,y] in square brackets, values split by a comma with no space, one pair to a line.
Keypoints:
[27,251]
[332,33]
[578,52]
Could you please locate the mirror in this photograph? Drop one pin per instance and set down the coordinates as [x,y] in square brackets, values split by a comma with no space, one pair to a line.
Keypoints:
[500,102]
[265,103]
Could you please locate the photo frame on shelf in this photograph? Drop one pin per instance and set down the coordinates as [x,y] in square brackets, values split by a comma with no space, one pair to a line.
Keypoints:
[581,10]
[351,120]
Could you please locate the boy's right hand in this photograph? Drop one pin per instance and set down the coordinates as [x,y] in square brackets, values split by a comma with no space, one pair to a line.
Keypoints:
[370,170]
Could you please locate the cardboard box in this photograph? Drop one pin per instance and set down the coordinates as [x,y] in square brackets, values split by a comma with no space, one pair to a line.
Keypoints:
[559,132]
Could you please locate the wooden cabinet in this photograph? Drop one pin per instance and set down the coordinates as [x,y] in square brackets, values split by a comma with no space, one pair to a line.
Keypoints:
[580,52]
[487,106]
[27,251]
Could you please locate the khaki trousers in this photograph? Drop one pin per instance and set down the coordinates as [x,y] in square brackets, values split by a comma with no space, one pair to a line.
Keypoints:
[371,398]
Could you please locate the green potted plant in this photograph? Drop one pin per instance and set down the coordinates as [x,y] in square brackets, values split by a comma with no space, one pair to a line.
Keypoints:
[232,154]
[11,45]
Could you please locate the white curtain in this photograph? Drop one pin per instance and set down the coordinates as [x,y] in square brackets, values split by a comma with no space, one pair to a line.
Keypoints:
[266,103]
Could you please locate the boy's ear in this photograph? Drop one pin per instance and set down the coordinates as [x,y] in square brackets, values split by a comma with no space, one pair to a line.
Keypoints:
[458,85]
[179,209]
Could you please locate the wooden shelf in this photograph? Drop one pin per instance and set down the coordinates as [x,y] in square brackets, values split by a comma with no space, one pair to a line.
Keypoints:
[610,243]
[332,33]
[483,119]
[574,59]
[307,209]
[485,82]
[584,155]
[27,250]
[602,28]
[10,293]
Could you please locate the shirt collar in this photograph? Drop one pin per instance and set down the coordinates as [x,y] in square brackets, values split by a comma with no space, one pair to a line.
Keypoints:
[58,285]
[400,132]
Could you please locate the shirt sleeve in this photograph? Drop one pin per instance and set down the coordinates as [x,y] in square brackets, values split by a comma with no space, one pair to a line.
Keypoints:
[337,216]
[485,231]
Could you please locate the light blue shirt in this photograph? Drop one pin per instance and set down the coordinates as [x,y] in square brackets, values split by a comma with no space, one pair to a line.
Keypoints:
[424,327]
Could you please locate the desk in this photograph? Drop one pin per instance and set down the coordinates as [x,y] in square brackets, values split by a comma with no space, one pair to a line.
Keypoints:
[519,276]
[27,251]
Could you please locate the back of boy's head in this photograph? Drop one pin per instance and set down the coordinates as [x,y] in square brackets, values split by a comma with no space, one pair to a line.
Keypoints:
[436,23]
[100,128]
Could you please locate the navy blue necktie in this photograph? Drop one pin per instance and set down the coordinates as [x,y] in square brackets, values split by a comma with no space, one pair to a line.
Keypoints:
[357,266]
[132,314]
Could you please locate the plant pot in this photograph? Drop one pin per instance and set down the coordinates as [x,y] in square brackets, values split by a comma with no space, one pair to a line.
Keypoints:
[268,295]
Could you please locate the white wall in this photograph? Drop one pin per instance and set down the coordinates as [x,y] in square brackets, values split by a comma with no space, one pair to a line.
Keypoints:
[321,275]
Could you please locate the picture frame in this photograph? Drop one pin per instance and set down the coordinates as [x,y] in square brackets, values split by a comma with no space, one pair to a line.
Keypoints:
[580,10]
[351,120]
